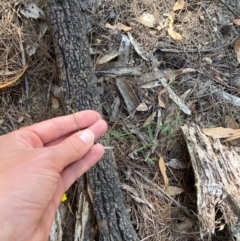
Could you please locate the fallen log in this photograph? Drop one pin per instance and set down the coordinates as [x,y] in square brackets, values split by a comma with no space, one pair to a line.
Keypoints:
[217,179]
[67,21]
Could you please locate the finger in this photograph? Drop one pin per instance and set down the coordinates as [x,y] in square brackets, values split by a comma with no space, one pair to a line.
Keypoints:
[72,172]
[94,128]
[55,128]
[74,147]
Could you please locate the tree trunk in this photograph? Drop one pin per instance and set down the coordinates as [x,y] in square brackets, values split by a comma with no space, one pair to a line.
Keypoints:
[217,180]
[77,79]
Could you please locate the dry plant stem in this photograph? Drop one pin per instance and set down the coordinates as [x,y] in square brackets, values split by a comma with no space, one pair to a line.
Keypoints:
[158,128]
[163,194]
[217,177]
[199,50]
[76,77]
[24,62]
[229,8]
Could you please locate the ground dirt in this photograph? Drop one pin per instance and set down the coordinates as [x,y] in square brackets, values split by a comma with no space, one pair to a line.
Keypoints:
[140,138]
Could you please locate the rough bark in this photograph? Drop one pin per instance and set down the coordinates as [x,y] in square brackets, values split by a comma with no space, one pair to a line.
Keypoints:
[74,65]
[217,179]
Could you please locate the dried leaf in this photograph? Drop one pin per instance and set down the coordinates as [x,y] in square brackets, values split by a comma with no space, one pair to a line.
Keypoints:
[221,132]
[237,48]
[119,26]
[43,29]
[31,49]
[57,91]
[20,119]
[175,98]
[163,169]
[177,164]
[171,32]
[123,27]
[218,78]
[151,85]
[55,102]
[148,20]
[12,81]
[174,74]
[107,57]
[119,71]
[185,95]
[142,107]
[173,191]
[115,109]
[237,136]
[108,25]
[236,21]
[160,101]
[150,119]
[144,54]
[208,60]
[1,121]
[7,72]
[128,95]
[33,11]
[178,5]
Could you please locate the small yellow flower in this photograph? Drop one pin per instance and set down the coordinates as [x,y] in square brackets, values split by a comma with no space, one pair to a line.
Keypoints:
[64,198]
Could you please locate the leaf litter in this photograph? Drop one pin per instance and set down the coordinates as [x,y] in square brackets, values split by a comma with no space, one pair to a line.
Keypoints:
[169,88]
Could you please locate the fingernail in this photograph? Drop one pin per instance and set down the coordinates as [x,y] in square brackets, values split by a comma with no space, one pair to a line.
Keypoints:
[86,136]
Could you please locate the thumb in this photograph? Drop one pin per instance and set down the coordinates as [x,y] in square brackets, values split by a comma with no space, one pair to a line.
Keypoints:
[71,149]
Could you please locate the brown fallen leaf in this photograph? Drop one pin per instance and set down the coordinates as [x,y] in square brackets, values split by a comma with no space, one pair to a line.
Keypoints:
[163,169]
[221,132]
[142,107]
[14,80]
[230,122]
[128,94]
[236,21]
[119,26]
[150,119]
[178,5]
[237,48]
[160,101]
[20,119]
[147,19]
[55,102]
[218,78]
[171,32]
[173,191]
[232,138]
[107,57]
[172,76]
[123,27]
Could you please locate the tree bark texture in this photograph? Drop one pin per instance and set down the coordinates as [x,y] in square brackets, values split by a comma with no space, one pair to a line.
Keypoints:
[217,179]
[67,21]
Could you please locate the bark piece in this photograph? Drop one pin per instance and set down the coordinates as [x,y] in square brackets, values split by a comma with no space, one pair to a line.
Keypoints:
[76,77]
[217,177]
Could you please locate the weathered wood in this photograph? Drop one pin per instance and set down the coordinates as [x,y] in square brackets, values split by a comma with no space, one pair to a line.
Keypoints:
[74,65]
[217,179]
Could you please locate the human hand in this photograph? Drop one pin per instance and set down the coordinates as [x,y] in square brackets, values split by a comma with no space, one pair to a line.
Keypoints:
[38,164]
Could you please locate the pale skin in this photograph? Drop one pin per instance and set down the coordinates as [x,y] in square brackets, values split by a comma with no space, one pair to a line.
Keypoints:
[37,166]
